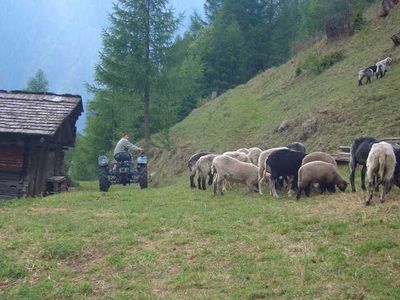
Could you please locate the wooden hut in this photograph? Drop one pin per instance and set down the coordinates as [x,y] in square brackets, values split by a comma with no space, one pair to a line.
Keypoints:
[35,130]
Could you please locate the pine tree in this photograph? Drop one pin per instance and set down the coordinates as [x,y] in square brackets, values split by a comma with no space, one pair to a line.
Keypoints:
[134,50]
[38,83]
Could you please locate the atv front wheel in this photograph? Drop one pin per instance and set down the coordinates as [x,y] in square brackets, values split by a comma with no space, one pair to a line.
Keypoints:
[143,178]
[104,183]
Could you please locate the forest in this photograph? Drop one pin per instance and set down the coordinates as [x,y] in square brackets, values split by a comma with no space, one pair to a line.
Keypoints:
[149,78]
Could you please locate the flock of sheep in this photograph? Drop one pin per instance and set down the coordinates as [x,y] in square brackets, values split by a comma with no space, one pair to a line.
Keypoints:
[379,69]
[291,166]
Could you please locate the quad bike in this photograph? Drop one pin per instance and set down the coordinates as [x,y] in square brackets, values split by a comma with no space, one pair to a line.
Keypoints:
[122,172]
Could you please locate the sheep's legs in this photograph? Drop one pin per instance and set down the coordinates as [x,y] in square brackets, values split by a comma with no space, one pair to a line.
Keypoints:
[272,187]
[353,166]
[260,185]
[370,192]
[210,179]
[299,191]
[203,183]
[199,182]
[385,190]
[218,184]
[363,171]
[192,185]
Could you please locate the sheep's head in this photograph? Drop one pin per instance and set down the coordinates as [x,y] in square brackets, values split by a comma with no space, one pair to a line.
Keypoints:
[342,186]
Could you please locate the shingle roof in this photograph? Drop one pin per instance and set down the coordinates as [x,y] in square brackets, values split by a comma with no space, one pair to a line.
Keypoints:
[36,113]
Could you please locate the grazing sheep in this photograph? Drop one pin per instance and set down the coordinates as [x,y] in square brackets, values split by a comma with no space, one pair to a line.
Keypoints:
[319,156]
[381,163]
[323,173]
[254,154]
[243,150]
[297,147]
[230,169]
[238,155]
[383,66]
[192,166]
[358,155]
[203,169]
[367,73]
[284,162]
[261,167]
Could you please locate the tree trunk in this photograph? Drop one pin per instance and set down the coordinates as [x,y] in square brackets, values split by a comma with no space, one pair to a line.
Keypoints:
[146,113]
[147,79]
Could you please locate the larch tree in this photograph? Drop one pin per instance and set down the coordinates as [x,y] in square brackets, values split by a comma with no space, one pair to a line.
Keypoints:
[134,50]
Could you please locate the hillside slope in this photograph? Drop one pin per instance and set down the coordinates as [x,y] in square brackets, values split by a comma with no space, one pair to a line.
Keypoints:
[323,110]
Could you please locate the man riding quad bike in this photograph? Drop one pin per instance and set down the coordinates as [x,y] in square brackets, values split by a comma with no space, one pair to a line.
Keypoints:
[123,171]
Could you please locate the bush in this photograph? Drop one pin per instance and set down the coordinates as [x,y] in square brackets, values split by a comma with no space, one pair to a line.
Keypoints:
[298,71]
[315,64]
[358,21]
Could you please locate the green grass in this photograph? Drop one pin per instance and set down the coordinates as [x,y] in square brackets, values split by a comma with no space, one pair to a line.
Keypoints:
[250,114]
[173,242]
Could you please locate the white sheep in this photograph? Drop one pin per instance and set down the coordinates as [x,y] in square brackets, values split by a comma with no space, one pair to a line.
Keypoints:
[383,66]
[381,163]
[225,168]
[243,150]
[238,155]
[253,155]
[203,169]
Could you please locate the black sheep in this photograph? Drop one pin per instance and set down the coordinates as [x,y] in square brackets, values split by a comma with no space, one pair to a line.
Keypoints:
[358,155]
[283,163]
[297,147]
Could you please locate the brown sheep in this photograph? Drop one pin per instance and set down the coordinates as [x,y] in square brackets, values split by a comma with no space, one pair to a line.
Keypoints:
[319,172]
[319,156]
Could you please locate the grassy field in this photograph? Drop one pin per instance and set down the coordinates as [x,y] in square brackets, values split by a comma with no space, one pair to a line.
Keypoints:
[173,242]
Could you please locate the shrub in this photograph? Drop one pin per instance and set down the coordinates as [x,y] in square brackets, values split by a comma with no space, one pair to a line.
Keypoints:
[316,64]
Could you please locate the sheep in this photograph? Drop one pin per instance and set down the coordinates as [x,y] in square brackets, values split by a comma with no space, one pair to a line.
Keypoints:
[243,150]
[381,163]
[297,147]
[230,169]
[319,156]
[203,169]
[263,175]
[359,151]
[284,162]
[320,172]
[192,167]
[383,66]
[367,73]
[238,155]
[254,154]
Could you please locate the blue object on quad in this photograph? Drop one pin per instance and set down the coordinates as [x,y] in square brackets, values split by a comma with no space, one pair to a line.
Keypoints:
[122,172]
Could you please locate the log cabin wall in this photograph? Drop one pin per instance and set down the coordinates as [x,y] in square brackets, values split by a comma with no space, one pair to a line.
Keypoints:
[11,167]
[35,130]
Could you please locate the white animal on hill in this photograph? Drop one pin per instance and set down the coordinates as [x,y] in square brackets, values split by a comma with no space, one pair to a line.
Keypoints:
[381,163]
